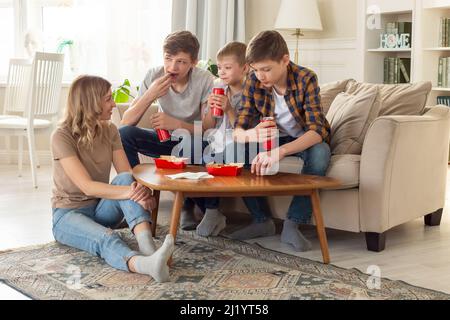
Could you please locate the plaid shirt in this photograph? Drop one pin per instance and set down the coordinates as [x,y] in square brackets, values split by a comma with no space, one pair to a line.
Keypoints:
[302,98]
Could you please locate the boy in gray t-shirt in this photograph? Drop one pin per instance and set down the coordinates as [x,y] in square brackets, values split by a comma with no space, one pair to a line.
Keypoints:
[181,91]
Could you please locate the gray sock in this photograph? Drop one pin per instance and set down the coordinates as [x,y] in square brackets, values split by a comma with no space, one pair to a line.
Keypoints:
[212,223]
[291,235]
[145,241]
[156,265]
[255,230]
[187,220]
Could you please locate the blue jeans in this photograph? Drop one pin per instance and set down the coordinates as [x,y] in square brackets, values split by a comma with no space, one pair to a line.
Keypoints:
[257,206]
[89,228]
[316,161]
[145,141]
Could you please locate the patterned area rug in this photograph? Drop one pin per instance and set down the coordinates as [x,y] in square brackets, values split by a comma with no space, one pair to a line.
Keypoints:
[203,269]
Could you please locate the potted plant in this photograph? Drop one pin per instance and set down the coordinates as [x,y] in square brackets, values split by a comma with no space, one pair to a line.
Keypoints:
[122,94]
[210,66]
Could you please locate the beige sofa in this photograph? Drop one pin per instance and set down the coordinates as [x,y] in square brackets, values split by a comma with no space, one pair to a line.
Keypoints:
[396,168]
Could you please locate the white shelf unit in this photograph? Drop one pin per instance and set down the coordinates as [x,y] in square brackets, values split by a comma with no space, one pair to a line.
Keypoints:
[431,13]
[425,47]
[373,55]
[382,50]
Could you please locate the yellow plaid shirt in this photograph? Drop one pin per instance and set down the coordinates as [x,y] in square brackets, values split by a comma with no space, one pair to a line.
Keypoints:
[302,98]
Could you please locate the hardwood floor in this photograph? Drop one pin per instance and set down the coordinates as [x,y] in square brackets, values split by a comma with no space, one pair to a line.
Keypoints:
[414,253]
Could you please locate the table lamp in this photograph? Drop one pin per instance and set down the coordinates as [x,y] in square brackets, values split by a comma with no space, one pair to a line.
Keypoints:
[298,16]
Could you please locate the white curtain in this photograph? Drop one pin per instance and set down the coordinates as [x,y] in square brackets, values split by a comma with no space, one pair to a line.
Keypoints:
[114,39]
[20,25]
[121,39]
[214,22]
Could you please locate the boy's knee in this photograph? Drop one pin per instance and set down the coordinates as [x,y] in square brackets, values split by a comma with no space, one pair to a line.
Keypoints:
[123,179]
[320,156]
[127,132]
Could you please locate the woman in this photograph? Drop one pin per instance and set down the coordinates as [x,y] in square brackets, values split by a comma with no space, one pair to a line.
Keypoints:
[85,206]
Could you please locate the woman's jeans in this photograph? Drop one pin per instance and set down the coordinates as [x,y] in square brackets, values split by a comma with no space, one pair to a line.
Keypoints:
[89,228]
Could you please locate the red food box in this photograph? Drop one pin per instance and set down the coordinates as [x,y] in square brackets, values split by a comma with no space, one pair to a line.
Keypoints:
[232,170]
[170,163]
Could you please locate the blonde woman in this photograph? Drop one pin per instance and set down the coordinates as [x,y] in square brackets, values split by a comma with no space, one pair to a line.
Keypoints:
[85,206]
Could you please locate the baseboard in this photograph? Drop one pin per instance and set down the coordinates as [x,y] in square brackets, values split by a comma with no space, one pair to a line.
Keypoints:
[45,157]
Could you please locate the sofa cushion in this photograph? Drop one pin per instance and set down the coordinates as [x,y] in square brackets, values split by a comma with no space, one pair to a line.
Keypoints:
[329,91]
[398,99]
[350,116]
[344,168]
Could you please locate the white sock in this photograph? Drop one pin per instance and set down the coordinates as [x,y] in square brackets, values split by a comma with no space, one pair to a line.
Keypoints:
[145,241]
[156,265]
[212,223]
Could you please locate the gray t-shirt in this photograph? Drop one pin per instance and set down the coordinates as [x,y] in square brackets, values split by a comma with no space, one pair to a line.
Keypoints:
[185,106]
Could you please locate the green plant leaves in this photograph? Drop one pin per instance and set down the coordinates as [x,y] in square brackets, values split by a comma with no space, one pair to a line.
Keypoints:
[210,66]
[122,93]
[63,44]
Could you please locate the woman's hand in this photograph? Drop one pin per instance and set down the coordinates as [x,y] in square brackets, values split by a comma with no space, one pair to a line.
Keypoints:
[163,121]
[139,192]
[142,196]
[149,204]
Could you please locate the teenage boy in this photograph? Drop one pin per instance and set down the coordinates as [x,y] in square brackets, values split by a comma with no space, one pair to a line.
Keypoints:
[232,72]
[290,94]
[182,90]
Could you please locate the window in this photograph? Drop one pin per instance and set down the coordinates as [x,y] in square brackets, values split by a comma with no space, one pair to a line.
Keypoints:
[7,41]
[106,37]
[109,38]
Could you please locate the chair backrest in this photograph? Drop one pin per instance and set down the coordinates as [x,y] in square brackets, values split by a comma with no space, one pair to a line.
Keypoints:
[18,86]
[46,83]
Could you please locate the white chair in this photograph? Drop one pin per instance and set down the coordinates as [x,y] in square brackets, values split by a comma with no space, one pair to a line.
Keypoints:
[41,100]
[15,101]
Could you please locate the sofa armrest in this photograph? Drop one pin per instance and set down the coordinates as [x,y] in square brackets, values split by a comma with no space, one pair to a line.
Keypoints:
[122,107]
[403,169]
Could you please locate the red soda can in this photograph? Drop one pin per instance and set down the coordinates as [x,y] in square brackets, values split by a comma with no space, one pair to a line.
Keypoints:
[218,112]
[268,144]
[163,135]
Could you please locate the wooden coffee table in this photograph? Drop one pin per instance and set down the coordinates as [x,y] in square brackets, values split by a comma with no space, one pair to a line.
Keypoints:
[247,184]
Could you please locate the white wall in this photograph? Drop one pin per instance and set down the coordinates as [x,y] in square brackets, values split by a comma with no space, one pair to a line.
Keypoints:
[330,53]
[338,18]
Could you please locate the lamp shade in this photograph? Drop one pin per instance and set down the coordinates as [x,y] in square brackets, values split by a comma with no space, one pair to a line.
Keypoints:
[298,14]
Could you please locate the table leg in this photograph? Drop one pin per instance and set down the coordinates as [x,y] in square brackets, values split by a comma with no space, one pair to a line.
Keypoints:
[320,226]
[156,194]
[175,221]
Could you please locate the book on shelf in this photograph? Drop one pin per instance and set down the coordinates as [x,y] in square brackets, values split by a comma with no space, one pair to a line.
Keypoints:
[399,27]
[444,100]
[444,32]
[397,70]
[443,72]
[405,67]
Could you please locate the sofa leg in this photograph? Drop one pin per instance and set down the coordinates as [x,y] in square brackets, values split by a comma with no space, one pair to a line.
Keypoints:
[433,219]
[375,241]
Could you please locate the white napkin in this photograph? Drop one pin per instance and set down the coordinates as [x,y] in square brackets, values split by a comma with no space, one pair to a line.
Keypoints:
[190,176]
